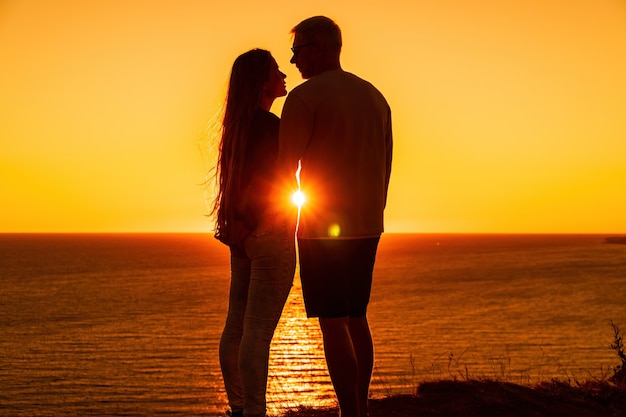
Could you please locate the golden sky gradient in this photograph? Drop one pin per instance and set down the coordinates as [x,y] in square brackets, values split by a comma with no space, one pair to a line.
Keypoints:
[509,116]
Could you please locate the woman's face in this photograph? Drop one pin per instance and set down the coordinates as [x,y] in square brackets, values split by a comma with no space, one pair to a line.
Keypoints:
[275,85]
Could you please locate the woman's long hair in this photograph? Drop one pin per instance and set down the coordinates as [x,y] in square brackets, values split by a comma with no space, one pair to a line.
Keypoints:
[245,89]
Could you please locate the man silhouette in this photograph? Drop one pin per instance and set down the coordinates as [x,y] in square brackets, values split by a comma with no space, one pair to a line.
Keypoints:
[337,126]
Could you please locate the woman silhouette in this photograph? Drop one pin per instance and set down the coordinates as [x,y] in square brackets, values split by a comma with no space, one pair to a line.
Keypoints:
[260,236]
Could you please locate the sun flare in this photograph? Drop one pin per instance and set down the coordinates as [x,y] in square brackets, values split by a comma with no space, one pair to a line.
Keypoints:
[298,198]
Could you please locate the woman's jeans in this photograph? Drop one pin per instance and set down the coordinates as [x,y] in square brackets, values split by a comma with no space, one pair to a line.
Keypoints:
[261,278]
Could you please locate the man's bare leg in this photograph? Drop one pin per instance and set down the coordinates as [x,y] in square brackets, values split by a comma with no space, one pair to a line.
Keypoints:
[342,363]
[364,350]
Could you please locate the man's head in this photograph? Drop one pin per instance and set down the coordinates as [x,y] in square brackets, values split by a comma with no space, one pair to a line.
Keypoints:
[316,46]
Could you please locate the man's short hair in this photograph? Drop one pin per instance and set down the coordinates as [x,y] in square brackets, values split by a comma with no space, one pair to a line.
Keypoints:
[320,29]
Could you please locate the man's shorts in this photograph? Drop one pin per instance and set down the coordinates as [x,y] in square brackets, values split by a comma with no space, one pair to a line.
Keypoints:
[336,275]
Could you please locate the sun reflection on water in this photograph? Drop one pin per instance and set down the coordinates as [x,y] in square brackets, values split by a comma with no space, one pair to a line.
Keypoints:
[297,368]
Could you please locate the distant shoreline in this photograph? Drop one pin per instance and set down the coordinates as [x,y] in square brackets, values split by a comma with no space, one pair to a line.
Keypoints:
[615,240]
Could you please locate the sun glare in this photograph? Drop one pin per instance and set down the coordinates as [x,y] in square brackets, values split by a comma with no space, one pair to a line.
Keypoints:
[298,198]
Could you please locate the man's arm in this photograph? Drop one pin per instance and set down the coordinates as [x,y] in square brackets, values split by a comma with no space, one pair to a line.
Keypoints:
[295,131]
[389,153]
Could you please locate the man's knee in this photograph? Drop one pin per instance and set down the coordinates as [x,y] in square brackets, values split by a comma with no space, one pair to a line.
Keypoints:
[334,325]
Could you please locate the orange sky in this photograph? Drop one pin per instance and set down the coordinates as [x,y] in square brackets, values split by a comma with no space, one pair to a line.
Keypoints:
[508,116]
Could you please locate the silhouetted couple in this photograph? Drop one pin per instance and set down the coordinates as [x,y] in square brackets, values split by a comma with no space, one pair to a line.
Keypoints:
[337,128]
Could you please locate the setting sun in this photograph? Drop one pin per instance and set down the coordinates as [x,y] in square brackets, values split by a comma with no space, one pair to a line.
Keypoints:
[298,198]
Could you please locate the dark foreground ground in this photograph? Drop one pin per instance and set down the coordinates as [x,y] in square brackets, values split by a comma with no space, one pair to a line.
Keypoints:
[495,399]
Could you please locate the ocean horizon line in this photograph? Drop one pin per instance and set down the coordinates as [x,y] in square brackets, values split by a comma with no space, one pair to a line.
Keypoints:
[384,233]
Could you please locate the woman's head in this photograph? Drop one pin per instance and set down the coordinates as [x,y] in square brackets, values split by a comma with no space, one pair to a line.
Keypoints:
[255,82]
[253,78]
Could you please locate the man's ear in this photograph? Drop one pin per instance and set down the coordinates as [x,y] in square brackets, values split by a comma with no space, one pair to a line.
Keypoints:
[319,50]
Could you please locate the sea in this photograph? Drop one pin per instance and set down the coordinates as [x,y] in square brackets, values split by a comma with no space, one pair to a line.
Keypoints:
[128,324]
